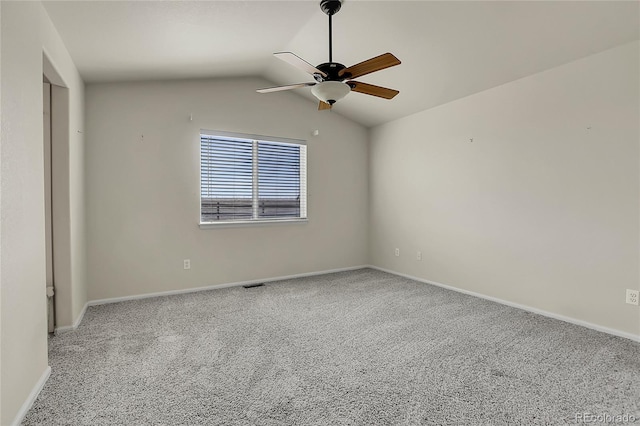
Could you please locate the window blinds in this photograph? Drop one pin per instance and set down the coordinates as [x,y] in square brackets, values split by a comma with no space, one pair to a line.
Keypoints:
[248,179]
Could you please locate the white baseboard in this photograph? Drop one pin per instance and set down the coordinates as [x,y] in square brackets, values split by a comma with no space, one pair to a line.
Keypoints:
[32,397]
[96,302]
[76,323]
[575,321]
[219,286]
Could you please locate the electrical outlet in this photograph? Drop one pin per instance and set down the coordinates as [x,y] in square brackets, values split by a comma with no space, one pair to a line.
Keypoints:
[419,255]
[397,252]
[187,263]
[632,297]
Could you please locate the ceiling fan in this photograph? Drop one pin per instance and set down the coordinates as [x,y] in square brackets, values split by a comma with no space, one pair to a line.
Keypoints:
[334,80]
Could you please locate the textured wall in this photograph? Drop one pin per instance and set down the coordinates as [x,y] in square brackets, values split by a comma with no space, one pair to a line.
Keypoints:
[541,209]
[143,192]
[26,33]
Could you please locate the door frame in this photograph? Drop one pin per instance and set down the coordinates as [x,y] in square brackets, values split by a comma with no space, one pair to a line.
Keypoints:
[60,194]
[48,217]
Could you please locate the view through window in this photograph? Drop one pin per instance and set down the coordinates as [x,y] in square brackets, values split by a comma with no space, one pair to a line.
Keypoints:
[245,178]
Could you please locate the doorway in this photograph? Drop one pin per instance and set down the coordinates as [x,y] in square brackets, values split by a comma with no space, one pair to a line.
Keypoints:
[48,214]
[57,203]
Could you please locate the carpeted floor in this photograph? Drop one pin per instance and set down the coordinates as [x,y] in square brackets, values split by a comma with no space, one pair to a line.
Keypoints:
[352,348]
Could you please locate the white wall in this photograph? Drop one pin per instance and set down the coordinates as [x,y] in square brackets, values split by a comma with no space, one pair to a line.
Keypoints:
[143,193]
[27,32]
[541,209]
[1,131]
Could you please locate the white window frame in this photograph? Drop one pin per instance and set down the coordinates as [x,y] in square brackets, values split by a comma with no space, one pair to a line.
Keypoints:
[255,222]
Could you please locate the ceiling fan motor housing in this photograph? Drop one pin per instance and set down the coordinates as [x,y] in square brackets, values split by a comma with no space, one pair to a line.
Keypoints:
[332,69]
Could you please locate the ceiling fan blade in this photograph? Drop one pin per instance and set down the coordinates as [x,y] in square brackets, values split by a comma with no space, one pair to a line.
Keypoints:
[298,62]
[323,106]
[371,65]
[280,88]
[370,89]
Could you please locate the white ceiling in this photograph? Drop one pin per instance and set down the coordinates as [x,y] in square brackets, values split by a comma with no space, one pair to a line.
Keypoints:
[448,49]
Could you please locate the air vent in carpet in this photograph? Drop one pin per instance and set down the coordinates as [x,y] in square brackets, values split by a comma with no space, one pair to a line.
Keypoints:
[253,285]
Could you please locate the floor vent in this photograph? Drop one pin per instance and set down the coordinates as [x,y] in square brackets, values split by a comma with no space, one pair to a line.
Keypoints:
[253,285]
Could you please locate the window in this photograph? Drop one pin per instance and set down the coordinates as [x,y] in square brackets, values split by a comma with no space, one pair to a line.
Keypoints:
[246,178]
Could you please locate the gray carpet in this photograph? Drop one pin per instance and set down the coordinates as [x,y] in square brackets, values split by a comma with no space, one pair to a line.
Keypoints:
[352,348]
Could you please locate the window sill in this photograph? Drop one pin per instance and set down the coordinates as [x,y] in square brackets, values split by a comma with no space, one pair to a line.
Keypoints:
[242,223]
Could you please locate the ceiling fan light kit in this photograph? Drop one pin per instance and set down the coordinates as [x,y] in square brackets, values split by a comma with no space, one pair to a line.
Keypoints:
[330,91]
[330,85]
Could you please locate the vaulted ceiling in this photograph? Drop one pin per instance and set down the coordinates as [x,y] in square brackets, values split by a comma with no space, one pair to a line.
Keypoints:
[448,49]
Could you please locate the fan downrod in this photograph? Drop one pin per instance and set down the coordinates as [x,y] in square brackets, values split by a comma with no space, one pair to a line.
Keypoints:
[330,7]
